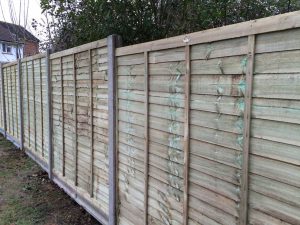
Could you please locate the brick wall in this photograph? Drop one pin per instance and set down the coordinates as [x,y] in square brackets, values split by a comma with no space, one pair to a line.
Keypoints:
[31,48]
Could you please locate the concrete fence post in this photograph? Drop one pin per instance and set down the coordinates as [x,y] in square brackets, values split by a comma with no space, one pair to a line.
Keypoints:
[49,110]
[20,104]
[113,41]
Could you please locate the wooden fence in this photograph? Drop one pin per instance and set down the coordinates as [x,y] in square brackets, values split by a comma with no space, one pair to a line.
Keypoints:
[202,128]
[64,99]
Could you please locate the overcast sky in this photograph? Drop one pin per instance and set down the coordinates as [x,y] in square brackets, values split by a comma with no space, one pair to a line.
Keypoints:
[34,12]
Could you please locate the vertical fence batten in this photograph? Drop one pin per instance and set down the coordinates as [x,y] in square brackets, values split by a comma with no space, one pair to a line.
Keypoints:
[146,157]
[8,80]
[187,100]
[17,102]
[10,100]
[75,123]
[246,132]
[28,105]
[41,108]
[14,103]
[34,105]
[6,101]
[21,105]
[62,117]
[91,125]
[13,98]
[8,88]
[49,113]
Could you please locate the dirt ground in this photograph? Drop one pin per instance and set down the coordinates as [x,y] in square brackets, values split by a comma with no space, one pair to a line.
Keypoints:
[28,197]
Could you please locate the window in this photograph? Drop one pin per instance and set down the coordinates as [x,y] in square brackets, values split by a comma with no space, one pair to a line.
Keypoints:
[6,48]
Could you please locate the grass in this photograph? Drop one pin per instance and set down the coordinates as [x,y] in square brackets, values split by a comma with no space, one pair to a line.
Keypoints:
[28,197]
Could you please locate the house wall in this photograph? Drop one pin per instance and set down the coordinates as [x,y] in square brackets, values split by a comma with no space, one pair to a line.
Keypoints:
[9,57]
[31,48]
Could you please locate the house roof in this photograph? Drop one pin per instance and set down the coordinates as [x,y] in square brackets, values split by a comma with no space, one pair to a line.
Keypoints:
[9,32]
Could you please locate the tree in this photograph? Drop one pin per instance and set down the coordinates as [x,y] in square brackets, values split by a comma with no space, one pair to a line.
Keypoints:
[75,22]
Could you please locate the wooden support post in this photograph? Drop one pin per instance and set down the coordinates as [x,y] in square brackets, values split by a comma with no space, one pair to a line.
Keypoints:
[246,134]
[28,105]
[8,87]
[21,104]
[75,121]
[34,106]
[12,80]
[41,107]
[146,157]
[49,110]
[7,102]
[16,104]
[113,41]
[62,117]
[91,126]
[10,102]
[187,134]
[3,100]
[5,83]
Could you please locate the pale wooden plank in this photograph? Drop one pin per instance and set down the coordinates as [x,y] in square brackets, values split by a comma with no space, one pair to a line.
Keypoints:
[287,133]
[217,153]
[134,59]
[278,62]
[275,150]
[258,218]
[198,207]
[218,186]
[218,201]
[276,170]
[169,55]
[215,169]
[82,48]
[277,110]
[225,48]
[278,41]
[275,190]
[274,208]
[234,65]
[278,86]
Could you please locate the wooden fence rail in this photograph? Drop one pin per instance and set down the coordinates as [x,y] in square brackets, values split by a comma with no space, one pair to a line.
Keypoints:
[202,128]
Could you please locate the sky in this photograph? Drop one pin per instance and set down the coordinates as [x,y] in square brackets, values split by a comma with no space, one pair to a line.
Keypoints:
[34,12]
